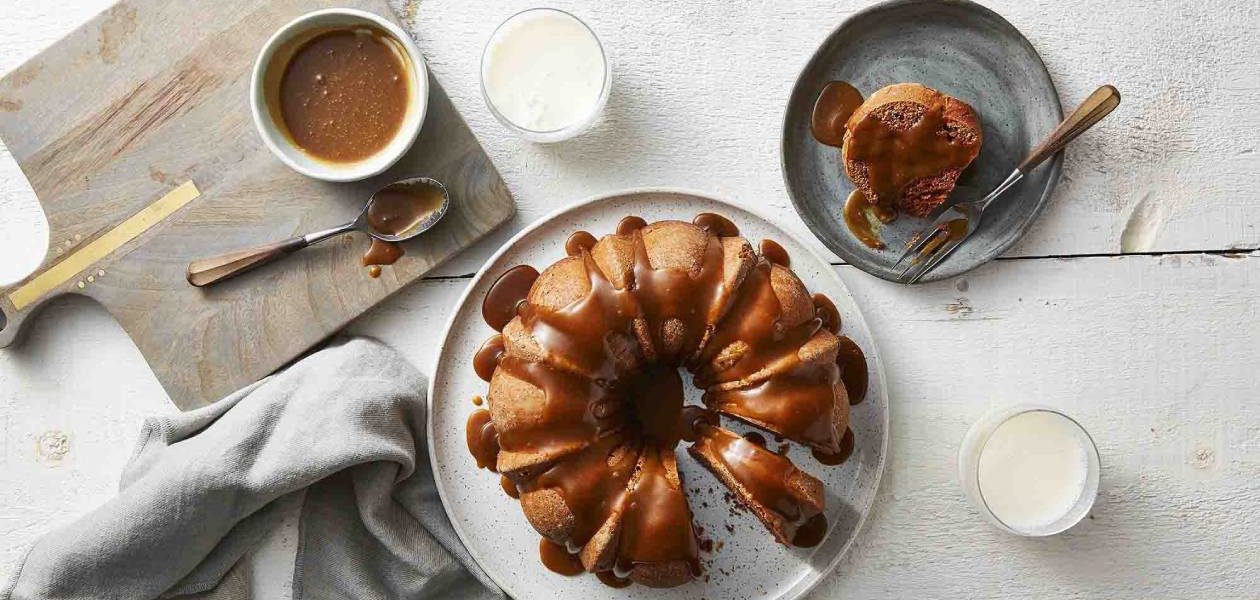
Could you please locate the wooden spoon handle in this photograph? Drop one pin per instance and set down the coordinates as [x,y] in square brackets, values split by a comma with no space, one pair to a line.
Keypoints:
[1098,105]
[213,270]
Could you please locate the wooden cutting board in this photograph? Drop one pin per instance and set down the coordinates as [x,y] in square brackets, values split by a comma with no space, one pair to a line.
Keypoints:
[135,134]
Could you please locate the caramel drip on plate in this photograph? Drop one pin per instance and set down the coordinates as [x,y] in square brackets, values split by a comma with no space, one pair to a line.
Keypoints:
[558,559]
[853,371]
[897,157]
[716,224]
[483,440]
[766,477]
[811,533]
[578,242]
[827,312]
[775,253]
[692,418]
[629,225]
[487,357]
[506,294]
[657,527]
[832,459]
[611,580]
[509,487]
[657,397]
[836,103]
[864,219]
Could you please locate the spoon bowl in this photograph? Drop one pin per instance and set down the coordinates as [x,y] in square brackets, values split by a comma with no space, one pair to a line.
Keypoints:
[414,187]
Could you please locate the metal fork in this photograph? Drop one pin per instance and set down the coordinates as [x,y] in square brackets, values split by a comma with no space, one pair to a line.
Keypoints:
[955,223]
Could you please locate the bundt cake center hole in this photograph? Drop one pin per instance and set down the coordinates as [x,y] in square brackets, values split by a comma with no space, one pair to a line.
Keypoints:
[656,397]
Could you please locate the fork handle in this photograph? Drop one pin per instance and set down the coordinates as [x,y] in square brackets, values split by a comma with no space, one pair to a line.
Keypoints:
[1098,105]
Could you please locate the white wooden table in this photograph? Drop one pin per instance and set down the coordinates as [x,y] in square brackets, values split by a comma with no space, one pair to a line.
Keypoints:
[1132,303]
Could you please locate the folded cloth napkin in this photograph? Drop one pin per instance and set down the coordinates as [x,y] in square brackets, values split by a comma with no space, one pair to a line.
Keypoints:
[346,425]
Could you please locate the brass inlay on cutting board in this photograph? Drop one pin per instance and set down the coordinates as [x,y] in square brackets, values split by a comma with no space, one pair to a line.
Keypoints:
[103,246]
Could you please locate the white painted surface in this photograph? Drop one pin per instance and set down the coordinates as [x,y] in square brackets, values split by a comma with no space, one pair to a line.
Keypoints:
[1156,355]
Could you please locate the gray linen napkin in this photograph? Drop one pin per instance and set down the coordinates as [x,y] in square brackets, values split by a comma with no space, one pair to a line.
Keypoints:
[346,424]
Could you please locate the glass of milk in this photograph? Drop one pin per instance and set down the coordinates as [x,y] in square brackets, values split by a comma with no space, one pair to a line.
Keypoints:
[1030,470]
[545,75]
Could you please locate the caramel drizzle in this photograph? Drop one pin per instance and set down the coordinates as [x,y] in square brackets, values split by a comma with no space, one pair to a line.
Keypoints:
[679,306]
[836,103]
[611,580]
[509,487]
[799,398]
[661,318]
[578,242]
[558,559]
[832,459]
[853,370]
[657,525]
[573,412]
[506,294]
[827,313]
[483,440]
[380,253]
[764,475]
[897,157]
[592,482]
[775,253]
[864,219]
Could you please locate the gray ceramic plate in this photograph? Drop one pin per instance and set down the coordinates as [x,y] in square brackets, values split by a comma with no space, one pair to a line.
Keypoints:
[961,49]
[749,564]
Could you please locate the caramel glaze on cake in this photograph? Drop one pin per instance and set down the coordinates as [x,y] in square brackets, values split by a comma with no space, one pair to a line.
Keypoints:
[586,403]
[904,147]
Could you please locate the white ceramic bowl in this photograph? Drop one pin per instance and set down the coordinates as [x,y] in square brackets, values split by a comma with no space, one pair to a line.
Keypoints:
[273,134]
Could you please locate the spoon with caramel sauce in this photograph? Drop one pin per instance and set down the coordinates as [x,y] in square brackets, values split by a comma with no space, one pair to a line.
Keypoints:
[396,213]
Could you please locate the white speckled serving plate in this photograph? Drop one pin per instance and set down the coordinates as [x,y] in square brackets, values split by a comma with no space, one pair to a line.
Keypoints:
[748,564]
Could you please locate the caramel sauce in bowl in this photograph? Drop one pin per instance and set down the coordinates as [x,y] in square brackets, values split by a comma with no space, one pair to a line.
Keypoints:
[339,94]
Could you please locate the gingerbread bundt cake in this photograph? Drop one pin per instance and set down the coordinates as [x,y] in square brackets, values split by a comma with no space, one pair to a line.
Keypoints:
[586,403]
